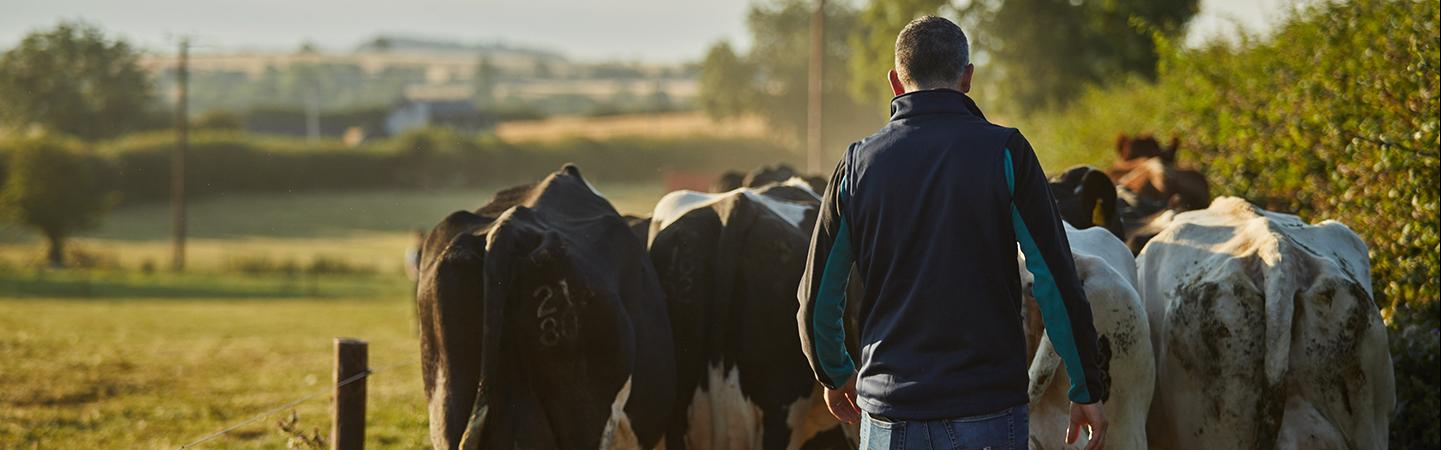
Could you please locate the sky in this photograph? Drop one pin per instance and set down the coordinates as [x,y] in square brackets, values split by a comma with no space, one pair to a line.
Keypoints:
[640,30]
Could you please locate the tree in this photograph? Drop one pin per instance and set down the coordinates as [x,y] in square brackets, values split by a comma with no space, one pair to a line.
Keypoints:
[771,79]
[725,83]
[73,80]
[1043,52]
[56,187]
[487,75]
[873,44]
[541,69]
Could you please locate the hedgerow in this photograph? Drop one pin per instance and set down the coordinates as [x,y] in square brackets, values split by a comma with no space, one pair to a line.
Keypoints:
[221,162]
[1332,116]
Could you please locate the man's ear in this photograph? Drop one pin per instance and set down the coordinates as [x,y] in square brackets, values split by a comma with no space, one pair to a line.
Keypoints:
[966,78]
[896,87]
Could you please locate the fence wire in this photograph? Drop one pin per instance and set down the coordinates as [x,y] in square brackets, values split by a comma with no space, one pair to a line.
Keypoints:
[290,404]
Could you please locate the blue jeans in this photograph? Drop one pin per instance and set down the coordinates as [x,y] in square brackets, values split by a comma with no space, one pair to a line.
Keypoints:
[1006,429]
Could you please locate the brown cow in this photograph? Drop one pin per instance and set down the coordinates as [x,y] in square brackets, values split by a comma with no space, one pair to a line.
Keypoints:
[1150,171]
[1152,187]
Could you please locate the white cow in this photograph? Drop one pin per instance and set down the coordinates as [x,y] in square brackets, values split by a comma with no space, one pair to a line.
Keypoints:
[1108,273]
[1265,332]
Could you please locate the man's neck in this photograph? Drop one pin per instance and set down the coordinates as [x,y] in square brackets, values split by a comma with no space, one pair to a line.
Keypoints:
[935,88]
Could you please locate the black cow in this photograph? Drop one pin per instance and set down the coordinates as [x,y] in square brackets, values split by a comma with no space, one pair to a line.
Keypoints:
[1142,218]
[640,226]
[729,264]
[1087,198]
[729,181]
[543,325]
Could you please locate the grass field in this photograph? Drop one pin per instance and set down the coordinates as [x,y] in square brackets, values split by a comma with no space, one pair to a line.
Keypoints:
[116,357]
[158,373]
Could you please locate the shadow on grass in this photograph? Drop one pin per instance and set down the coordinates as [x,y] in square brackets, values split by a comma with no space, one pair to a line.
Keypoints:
[100,285]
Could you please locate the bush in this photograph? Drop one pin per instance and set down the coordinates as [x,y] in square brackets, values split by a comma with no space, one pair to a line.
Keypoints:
[329,265]
[1334,116]
[1085,133]
[260,265]
[232,162]
[1415,345]
[56,186]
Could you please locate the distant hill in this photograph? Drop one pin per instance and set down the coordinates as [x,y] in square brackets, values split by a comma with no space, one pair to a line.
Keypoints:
[407,43]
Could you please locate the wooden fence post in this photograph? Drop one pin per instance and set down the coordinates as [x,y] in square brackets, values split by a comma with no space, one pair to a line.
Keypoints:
[347,430]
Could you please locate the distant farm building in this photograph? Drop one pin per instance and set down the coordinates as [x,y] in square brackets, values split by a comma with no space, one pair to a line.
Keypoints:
[451,106]
[458,114]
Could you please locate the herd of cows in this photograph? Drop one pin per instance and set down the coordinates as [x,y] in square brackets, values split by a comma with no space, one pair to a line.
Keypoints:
[550,321]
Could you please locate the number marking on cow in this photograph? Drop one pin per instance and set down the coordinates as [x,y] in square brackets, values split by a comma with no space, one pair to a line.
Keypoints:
[556,321]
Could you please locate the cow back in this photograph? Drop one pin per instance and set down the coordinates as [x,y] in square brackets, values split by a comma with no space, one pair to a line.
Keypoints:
[1262,325]
[729,265]
[543,325]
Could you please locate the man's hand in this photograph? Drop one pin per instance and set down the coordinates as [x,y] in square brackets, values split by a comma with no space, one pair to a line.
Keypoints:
[1090,416]
[842,402]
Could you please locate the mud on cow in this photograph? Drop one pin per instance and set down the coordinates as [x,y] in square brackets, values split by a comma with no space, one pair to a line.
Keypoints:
[729,264]
[1265,332]
[543,326]
[1108,274]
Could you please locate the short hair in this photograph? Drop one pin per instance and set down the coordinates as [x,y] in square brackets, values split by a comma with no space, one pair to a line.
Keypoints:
[931,52]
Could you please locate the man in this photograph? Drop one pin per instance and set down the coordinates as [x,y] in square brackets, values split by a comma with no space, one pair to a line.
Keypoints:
[930,210]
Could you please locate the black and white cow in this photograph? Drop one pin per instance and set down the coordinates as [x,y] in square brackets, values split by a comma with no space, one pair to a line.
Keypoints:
[729,264]
[1086,197]
[765,176]
[543,325]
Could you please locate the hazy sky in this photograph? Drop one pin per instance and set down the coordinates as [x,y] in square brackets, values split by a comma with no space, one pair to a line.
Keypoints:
[653,30]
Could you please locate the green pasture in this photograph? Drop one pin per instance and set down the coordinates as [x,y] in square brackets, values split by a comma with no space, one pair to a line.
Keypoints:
[158,373]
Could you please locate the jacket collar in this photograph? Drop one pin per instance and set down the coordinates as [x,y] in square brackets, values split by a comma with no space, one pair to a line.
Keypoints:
[933,101]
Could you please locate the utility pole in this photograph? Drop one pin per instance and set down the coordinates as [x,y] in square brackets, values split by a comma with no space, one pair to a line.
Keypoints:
[312,114]
[814,145]
[177,163]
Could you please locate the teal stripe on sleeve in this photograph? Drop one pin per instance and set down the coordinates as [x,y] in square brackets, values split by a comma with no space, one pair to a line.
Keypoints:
[828,329]
[828,317]
[1048,297]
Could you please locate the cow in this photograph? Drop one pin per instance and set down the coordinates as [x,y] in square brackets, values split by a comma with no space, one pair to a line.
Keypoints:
[1108,273]
[763,176]
[1141,219]
[543,325]
[778,174]
[1265,332]
[729,264]
[640,226]
[729,181]
[1086,198]
[1150,171]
